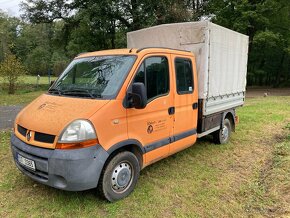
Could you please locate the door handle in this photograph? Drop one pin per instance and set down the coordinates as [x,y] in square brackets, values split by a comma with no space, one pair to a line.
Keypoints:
[194,106]
[171,110]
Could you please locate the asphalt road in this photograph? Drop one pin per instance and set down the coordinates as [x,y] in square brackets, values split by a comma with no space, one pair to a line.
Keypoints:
[7,115]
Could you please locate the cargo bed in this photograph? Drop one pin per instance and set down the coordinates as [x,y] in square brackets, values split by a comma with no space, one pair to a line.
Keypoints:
[221,57]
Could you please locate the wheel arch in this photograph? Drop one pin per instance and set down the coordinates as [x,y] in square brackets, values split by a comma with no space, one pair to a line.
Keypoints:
[230,114]
[131,145]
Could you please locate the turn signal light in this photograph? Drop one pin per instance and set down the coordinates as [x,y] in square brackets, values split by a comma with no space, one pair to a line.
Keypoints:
[76,145]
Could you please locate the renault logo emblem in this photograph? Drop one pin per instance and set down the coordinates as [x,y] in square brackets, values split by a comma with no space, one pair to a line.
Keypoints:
[28,136]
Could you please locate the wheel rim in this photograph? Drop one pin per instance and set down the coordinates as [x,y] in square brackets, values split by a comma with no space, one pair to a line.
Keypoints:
[225,132]
[122,177]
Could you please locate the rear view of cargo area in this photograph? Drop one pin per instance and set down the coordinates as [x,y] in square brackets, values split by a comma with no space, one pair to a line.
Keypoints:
[221,58]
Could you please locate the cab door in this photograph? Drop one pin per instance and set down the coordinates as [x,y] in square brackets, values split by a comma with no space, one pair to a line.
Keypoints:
[153,125]
[185,102]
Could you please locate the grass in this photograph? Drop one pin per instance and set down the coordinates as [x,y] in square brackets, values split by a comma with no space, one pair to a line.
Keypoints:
[43,80]
[27,91]
[248,177]
[20,98]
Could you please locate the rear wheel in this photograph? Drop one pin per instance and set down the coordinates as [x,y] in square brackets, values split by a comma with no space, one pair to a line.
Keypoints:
[222,136]
[120,176]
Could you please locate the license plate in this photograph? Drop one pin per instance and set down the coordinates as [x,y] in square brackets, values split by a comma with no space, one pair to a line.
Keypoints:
[26,162]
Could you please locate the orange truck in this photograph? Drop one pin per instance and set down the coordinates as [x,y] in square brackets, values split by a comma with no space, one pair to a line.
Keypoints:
[112,113]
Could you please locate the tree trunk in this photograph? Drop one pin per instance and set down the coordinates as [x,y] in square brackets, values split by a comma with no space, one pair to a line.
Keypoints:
[135,15]
[280,68]
[11,89]
[113,34]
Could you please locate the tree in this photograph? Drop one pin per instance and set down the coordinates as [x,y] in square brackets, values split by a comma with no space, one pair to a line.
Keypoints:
[39,60]
[58,30]
[266,22]
[59,62]
[8,33]
[11,70]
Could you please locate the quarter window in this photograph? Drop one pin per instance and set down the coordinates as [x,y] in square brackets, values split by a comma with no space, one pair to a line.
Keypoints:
[184,77]
[154,73]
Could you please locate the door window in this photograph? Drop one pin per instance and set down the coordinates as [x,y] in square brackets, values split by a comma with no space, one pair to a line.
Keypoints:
[184,77]
[154,73]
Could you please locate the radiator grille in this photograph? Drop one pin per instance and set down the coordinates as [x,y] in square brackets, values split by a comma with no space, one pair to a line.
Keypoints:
[22,130]
[38,136]
[42,137]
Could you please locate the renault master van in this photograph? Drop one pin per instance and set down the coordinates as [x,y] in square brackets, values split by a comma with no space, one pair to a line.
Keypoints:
[112,113]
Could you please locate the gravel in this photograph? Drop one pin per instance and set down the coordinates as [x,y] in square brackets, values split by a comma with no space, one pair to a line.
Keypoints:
[7,115]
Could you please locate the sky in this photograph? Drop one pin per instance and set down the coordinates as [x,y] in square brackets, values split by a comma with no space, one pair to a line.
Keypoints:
[11,7]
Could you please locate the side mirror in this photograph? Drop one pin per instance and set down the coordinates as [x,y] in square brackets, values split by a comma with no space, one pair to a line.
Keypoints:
[138,96]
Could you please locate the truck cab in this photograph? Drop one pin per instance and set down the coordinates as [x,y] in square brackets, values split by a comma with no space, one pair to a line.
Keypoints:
[109,114]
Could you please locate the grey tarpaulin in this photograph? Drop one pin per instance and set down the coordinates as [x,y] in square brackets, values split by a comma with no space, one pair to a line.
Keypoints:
[221,57]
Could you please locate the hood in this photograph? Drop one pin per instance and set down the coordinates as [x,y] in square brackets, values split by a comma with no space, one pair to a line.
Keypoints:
[51,114]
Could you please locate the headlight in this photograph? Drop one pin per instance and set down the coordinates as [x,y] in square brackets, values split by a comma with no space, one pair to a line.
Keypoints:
[77,131]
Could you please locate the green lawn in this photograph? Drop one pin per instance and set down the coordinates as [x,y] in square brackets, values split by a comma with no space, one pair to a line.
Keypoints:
[248,177]
[28,91]
[43,80]
[19,98]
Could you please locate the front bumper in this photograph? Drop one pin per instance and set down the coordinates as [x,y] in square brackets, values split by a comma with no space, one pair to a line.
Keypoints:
[71,170]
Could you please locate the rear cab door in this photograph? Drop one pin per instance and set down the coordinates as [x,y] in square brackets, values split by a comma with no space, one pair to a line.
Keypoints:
[185,101]
[153,125]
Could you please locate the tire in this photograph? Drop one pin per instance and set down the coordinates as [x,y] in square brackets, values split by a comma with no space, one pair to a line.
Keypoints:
[119,176]
[222,136]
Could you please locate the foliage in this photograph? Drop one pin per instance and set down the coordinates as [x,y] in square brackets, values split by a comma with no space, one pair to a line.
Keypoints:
[50,33]
[8,34]
[266,22]
[11,70]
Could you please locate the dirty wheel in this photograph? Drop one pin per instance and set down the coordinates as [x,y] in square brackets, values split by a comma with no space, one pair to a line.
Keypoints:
[119,176]
[222,136]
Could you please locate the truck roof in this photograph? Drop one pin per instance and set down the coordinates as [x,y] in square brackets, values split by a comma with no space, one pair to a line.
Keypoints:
[135,51]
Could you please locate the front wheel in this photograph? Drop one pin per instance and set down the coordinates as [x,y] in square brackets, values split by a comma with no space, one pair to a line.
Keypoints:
[222,136]
[120,176]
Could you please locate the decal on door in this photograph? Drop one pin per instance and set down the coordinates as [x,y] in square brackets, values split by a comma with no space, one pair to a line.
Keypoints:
[156,125]
[150,129]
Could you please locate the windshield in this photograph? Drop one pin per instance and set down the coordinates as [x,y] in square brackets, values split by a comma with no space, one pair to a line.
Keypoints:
[94,77]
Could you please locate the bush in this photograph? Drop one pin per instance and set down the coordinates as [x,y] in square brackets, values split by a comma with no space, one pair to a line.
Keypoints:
[11,70]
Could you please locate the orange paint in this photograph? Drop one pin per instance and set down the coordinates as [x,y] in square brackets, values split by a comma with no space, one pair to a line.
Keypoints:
[113,123]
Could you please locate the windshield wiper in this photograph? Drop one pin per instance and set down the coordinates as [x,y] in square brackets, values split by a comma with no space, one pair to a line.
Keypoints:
[79,92]
[54,91]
